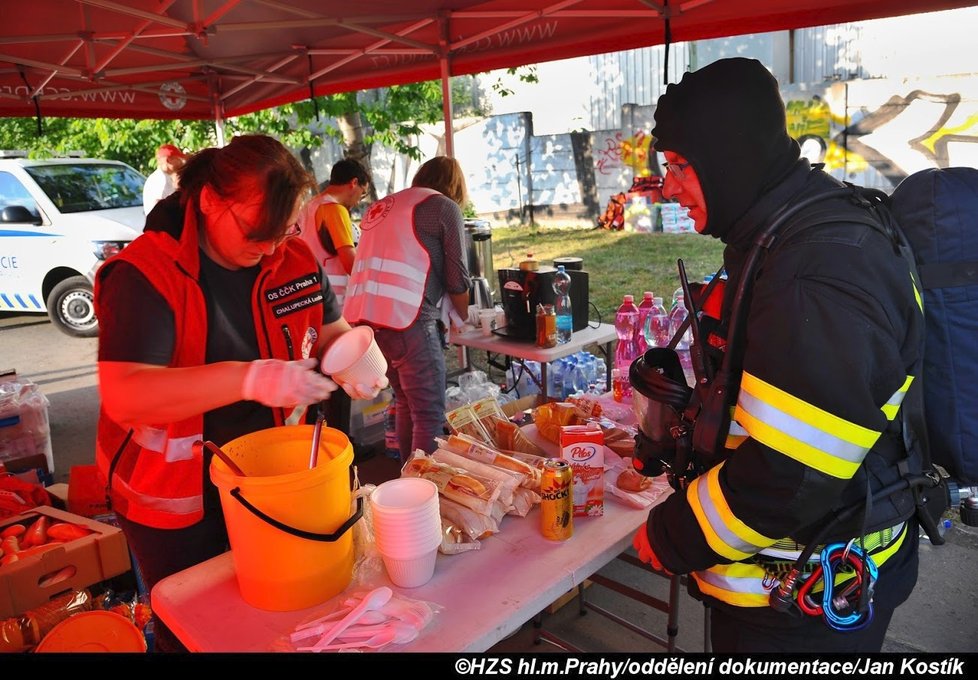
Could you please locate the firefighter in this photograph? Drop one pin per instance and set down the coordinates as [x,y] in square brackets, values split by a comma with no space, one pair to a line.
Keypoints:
[831,344]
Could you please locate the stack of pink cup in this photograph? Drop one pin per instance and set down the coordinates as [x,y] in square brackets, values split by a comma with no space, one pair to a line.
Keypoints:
[407,529]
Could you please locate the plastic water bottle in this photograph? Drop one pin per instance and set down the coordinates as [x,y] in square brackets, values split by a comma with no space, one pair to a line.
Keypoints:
[574,379]
[600,373]
[645,308]
[676,318]
[657,325]
[562,306]
[676,295]
[626,323]
[555,379]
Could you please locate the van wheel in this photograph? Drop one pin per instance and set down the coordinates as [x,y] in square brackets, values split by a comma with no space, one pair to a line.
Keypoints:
[71,306]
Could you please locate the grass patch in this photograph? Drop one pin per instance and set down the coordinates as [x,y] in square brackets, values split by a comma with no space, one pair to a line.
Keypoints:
[618,262]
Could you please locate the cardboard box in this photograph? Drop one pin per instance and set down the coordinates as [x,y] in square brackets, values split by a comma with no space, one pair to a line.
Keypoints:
[96,557]
[511,408]
[86,497]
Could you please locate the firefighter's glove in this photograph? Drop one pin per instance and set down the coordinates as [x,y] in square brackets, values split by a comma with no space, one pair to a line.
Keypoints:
[644,549]
[285,384]
[365,391]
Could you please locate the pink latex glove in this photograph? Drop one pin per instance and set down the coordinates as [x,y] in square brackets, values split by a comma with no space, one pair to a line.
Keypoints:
[644,549]
[286,384]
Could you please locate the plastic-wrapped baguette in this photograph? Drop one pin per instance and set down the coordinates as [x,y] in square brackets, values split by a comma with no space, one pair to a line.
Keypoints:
[509,480]
[469,489]
[469,447]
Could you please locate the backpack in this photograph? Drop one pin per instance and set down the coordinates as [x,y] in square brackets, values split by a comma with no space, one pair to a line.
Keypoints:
[937,210]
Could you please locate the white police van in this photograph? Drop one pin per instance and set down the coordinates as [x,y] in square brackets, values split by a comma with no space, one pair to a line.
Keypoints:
[60,219]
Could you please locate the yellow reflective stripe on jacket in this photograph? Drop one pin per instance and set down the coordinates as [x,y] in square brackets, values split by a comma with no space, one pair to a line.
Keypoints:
[916,292]
[725,533]
[749,585]
[892,404]
[742,585]
[797,429]
[736,435]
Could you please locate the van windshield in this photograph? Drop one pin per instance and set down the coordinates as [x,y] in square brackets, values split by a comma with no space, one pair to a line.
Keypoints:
[89,186]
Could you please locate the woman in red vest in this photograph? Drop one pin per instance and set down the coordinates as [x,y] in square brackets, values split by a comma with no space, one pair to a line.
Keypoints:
[411,262]
[212,322]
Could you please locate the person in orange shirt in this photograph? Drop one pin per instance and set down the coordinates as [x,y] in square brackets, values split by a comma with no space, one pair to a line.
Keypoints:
[326,225]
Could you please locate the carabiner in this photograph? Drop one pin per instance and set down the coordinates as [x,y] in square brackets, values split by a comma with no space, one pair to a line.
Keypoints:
[837,609]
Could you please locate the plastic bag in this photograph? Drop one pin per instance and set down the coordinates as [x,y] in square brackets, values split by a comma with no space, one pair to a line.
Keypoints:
[24,427]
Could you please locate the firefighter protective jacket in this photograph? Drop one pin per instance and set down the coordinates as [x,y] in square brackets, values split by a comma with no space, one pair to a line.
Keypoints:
[156,476]
[833,338]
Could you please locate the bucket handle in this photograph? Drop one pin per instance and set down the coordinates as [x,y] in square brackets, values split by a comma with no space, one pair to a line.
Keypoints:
[325,538]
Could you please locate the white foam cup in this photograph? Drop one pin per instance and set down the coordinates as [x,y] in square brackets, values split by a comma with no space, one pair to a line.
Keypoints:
[487,320]
[355,359]
[411,572]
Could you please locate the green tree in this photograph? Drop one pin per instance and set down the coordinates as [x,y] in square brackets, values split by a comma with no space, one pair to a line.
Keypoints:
[390,116]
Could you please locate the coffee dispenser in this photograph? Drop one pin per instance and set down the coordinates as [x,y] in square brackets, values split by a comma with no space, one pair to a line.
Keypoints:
[521,290]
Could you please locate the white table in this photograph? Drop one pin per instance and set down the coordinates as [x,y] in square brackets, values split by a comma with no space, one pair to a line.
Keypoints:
[603,336]
[485,594]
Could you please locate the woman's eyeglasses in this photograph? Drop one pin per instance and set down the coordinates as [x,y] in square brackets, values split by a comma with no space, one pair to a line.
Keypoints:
[678,170]
[292,230]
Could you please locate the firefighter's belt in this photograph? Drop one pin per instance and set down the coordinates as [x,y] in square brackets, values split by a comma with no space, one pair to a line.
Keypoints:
[787,550]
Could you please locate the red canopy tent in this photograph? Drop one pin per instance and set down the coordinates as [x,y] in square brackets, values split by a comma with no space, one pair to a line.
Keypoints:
[197,59]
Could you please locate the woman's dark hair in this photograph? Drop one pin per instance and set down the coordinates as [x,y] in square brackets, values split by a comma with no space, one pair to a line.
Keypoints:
[248,165]
[443,174]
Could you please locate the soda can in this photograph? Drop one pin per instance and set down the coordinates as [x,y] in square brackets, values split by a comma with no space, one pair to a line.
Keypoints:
[556,502]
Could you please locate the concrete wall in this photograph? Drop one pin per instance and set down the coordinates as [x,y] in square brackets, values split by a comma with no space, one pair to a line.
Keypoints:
[872,132]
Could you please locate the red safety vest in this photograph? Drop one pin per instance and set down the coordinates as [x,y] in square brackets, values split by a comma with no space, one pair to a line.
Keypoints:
[333,268]
[156,478]
[388,279]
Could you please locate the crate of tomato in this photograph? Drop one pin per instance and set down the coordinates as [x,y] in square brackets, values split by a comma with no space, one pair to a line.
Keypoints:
[48,551]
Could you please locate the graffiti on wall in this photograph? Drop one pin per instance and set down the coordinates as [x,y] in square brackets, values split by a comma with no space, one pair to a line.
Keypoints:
[867,127]
[620,153]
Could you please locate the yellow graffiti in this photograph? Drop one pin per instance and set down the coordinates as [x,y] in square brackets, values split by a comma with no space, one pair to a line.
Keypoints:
[635,152]
[811,117]
[838,158]
[931,142]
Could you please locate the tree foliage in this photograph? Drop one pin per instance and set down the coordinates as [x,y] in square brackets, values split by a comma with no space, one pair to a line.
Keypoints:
[390,116]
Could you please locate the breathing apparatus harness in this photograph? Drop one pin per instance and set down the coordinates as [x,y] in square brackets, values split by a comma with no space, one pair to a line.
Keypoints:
[697,421]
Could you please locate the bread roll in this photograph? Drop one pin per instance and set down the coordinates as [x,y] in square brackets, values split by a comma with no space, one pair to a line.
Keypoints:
[632,480]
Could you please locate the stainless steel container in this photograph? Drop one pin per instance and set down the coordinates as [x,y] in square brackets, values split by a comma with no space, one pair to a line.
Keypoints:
[478,252]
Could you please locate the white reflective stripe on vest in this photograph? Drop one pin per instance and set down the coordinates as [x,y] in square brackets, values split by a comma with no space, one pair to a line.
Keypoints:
[726,534]
[178,506]
[892,405]
[337,277]
[156,439]
[799,430]
[386,287]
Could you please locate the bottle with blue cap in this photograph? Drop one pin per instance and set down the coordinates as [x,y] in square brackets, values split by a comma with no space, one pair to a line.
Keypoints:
[562,305]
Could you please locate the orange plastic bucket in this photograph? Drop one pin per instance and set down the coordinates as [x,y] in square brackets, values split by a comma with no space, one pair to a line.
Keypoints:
[289,526]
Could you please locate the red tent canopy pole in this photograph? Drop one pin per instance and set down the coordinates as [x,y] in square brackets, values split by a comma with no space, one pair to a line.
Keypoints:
[446,88]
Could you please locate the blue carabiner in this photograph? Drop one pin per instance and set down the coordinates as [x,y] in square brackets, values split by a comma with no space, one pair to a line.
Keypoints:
[840,615]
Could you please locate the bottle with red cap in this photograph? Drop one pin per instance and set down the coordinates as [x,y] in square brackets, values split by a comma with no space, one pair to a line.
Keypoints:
[626,326]
[645,308]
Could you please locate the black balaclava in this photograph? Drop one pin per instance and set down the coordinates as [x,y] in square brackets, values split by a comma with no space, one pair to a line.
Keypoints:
[727,119]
